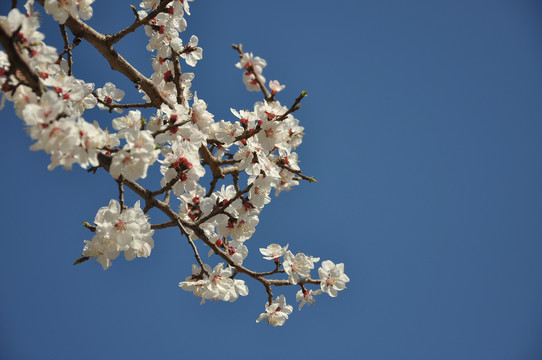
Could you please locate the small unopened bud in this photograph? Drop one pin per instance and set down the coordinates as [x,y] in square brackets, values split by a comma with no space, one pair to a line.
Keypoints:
[90,227]
[81,260]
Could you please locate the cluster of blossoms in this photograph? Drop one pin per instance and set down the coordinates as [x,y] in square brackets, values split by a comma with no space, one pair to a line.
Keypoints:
[215,284]
[256,148]
[119,230]
[60,9]
[298,267]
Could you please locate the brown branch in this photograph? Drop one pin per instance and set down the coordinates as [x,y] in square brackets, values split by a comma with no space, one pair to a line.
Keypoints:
[269,292]
[295,106]
[195,249]
[112,39]
[212,186]
[297,172]
[266,93]
[166,197]
[18,61]
[168,186]
[177,79]
[235,176]
[116,61]
[76,41]
[147,207]
[277,282]
[239,48]
[120,181]
[169,127]
[67,47]
[164,225]
[210,160]
[276,271]
[121,106]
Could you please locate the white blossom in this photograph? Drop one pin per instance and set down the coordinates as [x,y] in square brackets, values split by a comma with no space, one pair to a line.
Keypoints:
[298,265]
[332,277]
[277,312]
[307,297]
[275,86]
[191,52]
[273,251]
[109,94]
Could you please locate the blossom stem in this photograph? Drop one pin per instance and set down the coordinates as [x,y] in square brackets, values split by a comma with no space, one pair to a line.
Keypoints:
[67,47]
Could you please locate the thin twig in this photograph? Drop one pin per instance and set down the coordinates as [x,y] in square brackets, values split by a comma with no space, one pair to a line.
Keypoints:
[297,172]
[295,106]
[112,39]
[164,225]
[169,127]
[169,185]
[286,282]
[67,47]
[120,106]
[76,41]
[120,180]
[196,254]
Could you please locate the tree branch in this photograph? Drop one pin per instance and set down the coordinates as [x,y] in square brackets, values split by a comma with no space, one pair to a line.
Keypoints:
[18,61]
[67,47]
[112,39]
[116,61]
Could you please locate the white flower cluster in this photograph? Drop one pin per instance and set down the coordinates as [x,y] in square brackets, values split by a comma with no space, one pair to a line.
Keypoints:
[215,284]
[61,9]
[253,70]
[119,231]
[332,279]
[257,148]
[54,118]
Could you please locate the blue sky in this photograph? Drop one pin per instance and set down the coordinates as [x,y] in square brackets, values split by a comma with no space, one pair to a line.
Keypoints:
[423,127]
